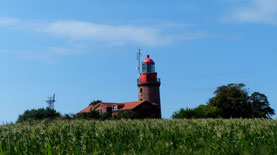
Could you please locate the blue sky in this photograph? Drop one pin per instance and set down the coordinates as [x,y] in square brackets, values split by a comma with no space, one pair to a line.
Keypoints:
[86,50]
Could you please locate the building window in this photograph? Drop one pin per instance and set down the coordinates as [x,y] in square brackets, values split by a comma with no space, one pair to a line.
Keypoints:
[114,108]
[109,109]
[145,107]
[101,111]
[91,109]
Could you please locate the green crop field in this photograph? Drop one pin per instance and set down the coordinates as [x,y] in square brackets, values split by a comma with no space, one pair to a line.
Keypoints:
[199,136]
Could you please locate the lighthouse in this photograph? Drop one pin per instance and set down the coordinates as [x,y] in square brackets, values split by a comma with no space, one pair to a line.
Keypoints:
[149,84]
[148,104]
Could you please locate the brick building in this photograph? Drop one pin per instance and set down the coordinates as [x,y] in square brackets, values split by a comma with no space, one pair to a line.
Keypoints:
[148,104]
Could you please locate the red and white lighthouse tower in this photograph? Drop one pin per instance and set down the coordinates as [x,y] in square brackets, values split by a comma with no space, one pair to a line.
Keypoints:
[149,84]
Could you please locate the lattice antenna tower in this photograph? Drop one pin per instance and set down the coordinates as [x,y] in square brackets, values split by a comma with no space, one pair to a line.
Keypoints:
[51,101]
[138,58]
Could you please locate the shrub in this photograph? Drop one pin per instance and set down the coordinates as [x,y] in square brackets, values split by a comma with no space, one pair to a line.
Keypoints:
[184,113]
[126,115]
[90,115]
[202,111]
[38,114]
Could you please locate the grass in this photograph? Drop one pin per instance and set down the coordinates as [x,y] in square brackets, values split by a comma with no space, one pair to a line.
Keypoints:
[196,136]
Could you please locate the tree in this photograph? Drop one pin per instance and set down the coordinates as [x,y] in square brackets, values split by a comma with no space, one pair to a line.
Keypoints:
[260,106]
[183,113]
[202,111]
[94,102]
[89,115]
[207,111]
[231,101]
[106,116]
[235,102]
[38,114]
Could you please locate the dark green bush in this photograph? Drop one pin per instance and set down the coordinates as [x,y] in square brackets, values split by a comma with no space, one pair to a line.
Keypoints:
[126,115]
[90,115]
[202,111]
[38,114]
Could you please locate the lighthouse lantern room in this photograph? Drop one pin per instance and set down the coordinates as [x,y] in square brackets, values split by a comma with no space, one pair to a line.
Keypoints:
[148,71]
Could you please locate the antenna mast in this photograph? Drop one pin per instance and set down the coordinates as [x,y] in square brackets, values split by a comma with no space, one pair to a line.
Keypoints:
[138,57]
[51,101]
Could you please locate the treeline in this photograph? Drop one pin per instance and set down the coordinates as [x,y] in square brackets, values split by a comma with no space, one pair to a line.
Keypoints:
[231,101]
[51,114]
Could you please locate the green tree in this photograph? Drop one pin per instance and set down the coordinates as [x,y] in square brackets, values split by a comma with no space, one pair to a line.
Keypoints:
[207,111]
[94,102]
[89,115]
[106,116]
[202,111]
[38,114]
[235,102]
[259,106]
[231,101]
[184,113]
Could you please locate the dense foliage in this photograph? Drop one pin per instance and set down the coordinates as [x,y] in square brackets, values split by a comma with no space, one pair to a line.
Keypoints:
[235,102]
[195,136]
[90,115]
[231,101]
[106,116]
[41,114]
[126,115]
[202,111]
[94,102]
[38,114]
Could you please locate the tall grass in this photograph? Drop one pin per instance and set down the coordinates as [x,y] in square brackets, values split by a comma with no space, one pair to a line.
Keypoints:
[199,136]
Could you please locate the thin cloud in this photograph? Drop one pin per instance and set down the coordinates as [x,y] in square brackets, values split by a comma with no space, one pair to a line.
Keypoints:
[77,30]
[5,21]
[68,50]
[114,35]
[264,11]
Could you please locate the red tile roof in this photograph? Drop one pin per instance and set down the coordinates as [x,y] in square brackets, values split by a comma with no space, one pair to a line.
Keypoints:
[108,104]
[126,106]
[87,109]
[104,104]
[130,105]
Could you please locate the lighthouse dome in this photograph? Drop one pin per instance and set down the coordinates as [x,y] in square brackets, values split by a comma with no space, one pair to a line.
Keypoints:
[148,60]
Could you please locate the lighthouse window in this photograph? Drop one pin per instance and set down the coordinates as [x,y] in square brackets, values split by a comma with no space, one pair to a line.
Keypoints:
[152,68]
[140,90]
[148,68]
[144,68]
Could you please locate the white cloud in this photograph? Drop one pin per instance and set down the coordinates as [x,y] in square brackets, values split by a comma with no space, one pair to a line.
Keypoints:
[104,34]
[5,21]
[69,50]
[116,35]
[257,11]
